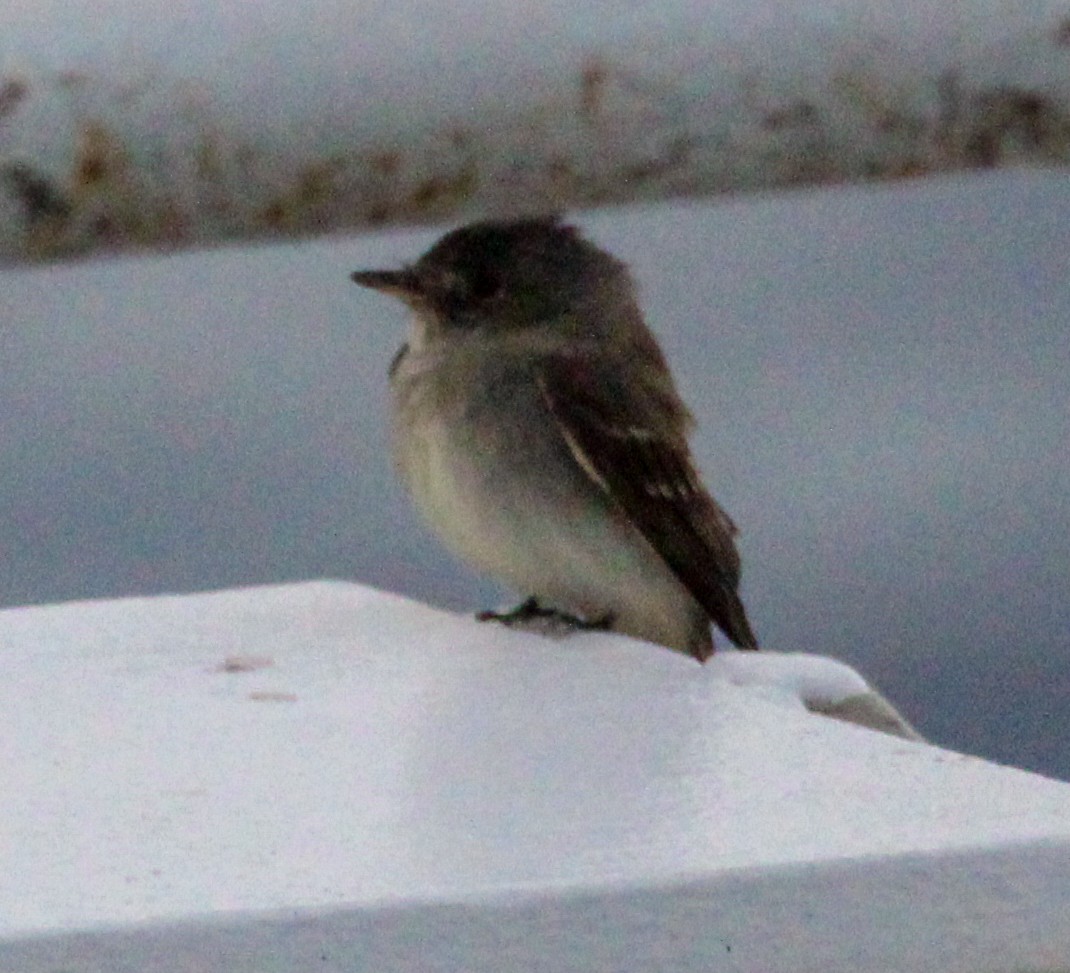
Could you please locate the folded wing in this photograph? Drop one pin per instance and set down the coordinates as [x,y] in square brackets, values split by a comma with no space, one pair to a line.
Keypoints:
[628,435]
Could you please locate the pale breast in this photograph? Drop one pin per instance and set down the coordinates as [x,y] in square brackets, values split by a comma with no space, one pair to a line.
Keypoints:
[450,467]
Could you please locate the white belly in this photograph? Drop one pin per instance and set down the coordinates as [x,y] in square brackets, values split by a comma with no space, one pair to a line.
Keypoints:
[454,495]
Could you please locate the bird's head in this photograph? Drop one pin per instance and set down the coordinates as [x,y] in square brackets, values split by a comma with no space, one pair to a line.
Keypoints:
[499,276]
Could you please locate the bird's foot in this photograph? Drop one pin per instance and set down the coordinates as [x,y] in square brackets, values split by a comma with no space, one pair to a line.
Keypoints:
[530,610]
[526,611]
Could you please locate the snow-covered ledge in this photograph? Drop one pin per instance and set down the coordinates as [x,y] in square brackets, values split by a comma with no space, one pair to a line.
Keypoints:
[323,777]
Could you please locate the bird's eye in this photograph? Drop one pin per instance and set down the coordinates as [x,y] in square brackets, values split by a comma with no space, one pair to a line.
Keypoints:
[484,284]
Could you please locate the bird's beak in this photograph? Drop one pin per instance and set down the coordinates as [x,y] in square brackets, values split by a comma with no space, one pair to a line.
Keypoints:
[402,284]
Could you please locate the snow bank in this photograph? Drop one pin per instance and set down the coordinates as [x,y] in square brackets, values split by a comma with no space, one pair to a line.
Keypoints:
[136,124]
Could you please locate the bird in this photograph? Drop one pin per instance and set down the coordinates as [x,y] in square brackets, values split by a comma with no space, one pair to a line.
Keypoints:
[540,433]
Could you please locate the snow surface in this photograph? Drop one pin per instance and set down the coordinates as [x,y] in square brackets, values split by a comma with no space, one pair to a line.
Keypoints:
[325,746]
[207,121]
[413,53]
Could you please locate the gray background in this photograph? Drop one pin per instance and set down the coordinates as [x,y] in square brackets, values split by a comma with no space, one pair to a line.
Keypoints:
[880,377]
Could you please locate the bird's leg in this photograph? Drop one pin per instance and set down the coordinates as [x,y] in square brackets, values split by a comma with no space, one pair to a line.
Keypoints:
[529,610]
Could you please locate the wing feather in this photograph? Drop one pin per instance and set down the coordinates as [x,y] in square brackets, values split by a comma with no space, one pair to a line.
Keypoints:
[629,437]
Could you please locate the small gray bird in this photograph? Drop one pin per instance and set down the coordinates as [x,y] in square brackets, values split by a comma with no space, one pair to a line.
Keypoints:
[540,433]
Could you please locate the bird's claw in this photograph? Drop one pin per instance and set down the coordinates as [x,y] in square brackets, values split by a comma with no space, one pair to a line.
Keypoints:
[530,610]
